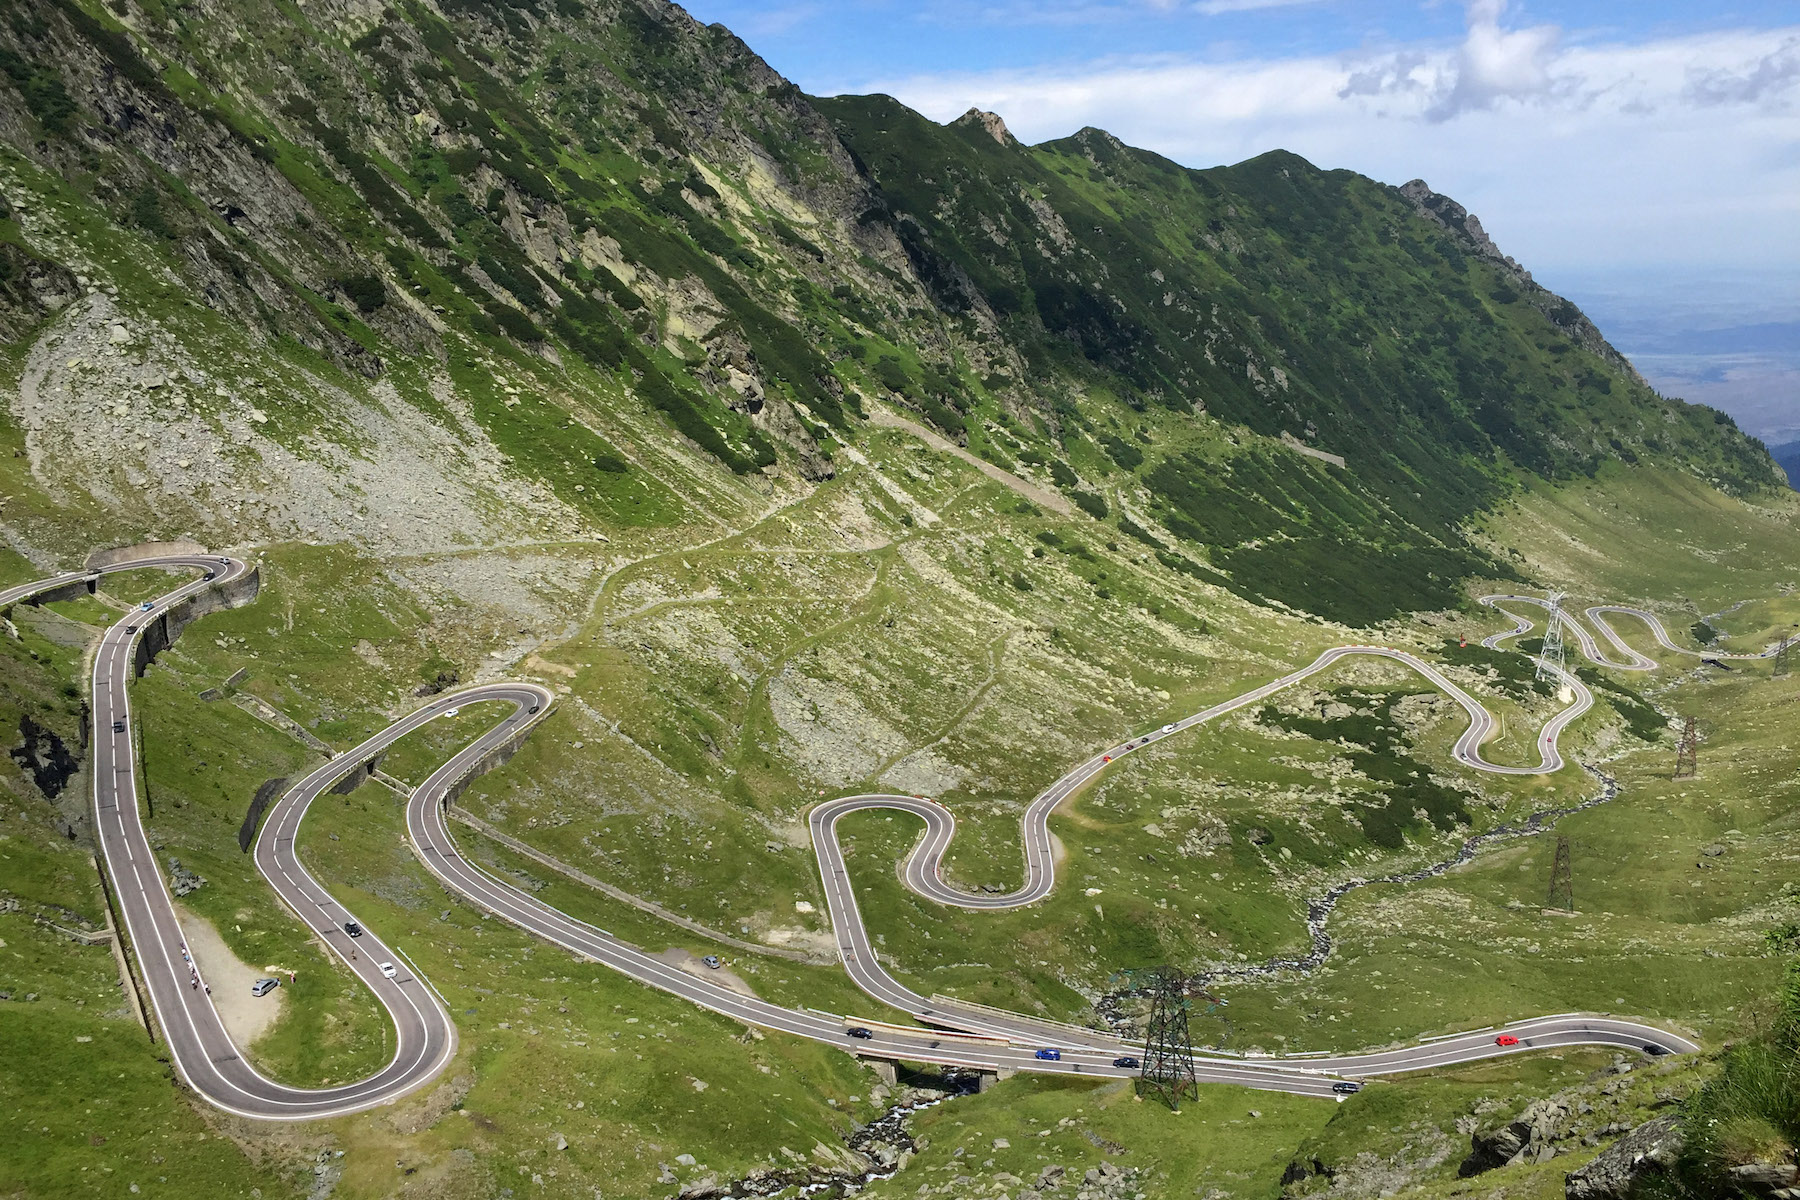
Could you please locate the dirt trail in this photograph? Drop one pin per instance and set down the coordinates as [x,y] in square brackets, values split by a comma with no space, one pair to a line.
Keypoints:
[1025,488]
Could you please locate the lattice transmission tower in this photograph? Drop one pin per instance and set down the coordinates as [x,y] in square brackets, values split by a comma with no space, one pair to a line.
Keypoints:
[1168,1068]
[1550,657]
[1687,751]
[1562,877]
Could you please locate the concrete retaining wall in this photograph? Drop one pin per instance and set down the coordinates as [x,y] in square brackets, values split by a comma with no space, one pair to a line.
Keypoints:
[491,759]
[119,554]
[68,591]
[162,632]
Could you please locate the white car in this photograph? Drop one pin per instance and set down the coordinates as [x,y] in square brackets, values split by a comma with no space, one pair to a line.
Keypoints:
[451,712]
[1168,729]
[387,969]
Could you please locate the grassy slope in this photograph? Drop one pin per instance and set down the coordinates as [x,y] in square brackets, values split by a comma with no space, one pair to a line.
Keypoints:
[320,676]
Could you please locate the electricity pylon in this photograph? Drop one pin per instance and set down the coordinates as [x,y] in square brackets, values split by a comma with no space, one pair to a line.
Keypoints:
[1550,656]
[1168,1067]
[1687,751]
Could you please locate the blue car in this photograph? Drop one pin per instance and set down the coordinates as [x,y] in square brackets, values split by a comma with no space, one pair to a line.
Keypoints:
[1050,1055]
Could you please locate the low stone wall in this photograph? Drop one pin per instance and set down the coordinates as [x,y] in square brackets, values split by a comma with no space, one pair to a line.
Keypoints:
[163,631]
[120,554]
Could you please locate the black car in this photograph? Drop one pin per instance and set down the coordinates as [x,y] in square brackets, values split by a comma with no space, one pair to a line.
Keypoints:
[860,1032]
[1127,1062]
[352,928]
[1346,1087]
[1654,1050]
[118,727]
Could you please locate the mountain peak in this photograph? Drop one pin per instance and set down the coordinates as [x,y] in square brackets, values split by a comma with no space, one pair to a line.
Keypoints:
[991,122]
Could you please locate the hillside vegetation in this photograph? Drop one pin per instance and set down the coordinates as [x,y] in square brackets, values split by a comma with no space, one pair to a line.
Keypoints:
[356,261]
[806,447]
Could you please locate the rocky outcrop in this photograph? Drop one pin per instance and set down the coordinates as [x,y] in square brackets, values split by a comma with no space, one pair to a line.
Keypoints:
[1623,1167]
[1451,215]
[1529,1138]
[183,880]
[989,123]
[1444,211]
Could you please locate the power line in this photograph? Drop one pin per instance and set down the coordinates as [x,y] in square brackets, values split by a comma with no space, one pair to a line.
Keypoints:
[1781,655]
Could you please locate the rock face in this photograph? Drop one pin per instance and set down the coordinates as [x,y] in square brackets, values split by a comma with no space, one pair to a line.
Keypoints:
[1646,1151]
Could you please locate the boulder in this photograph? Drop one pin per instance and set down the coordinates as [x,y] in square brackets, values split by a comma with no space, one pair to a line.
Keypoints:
[1646,1151]
[1761,1177]
[1495,1148]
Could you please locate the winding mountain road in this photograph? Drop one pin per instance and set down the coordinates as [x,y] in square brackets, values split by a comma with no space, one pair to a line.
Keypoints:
[982,1039]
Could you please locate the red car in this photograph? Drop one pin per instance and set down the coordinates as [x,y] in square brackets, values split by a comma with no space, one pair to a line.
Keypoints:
[1506,1039]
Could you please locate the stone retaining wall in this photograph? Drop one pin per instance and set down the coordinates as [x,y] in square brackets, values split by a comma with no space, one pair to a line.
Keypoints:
[119,554]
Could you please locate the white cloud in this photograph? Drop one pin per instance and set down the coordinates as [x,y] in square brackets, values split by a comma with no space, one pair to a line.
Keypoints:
[1215,8]
[1495,64]
[1771,79]
[1574,151]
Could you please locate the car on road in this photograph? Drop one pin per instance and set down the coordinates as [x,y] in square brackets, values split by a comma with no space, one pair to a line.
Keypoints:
[1346,1087]
[857,1031]
[118,727]
[1168,729]
[352,928]
[1049,1055]
[224,560]
[131,629]
[1127,1062]
[1506,1039]
[451,712]
[147,605]
[1654,1050]
[713,961]
[1106,758]
[263,987]
[387,968]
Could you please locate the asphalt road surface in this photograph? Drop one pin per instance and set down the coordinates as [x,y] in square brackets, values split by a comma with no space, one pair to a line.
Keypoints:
[983,1039]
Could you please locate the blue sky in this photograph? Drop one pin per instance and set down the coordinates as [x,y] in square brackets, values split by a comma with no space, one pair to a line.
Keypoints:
[1643,158]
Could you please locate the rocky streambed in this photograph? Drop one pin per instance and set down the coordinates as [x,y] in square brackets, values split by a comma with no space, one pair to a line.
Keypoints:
[874,1151]
[1111,1005]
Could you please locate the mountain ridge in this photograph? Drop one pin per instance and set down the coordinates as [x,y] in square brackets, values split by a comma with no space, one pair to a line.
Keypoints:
[637,210]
